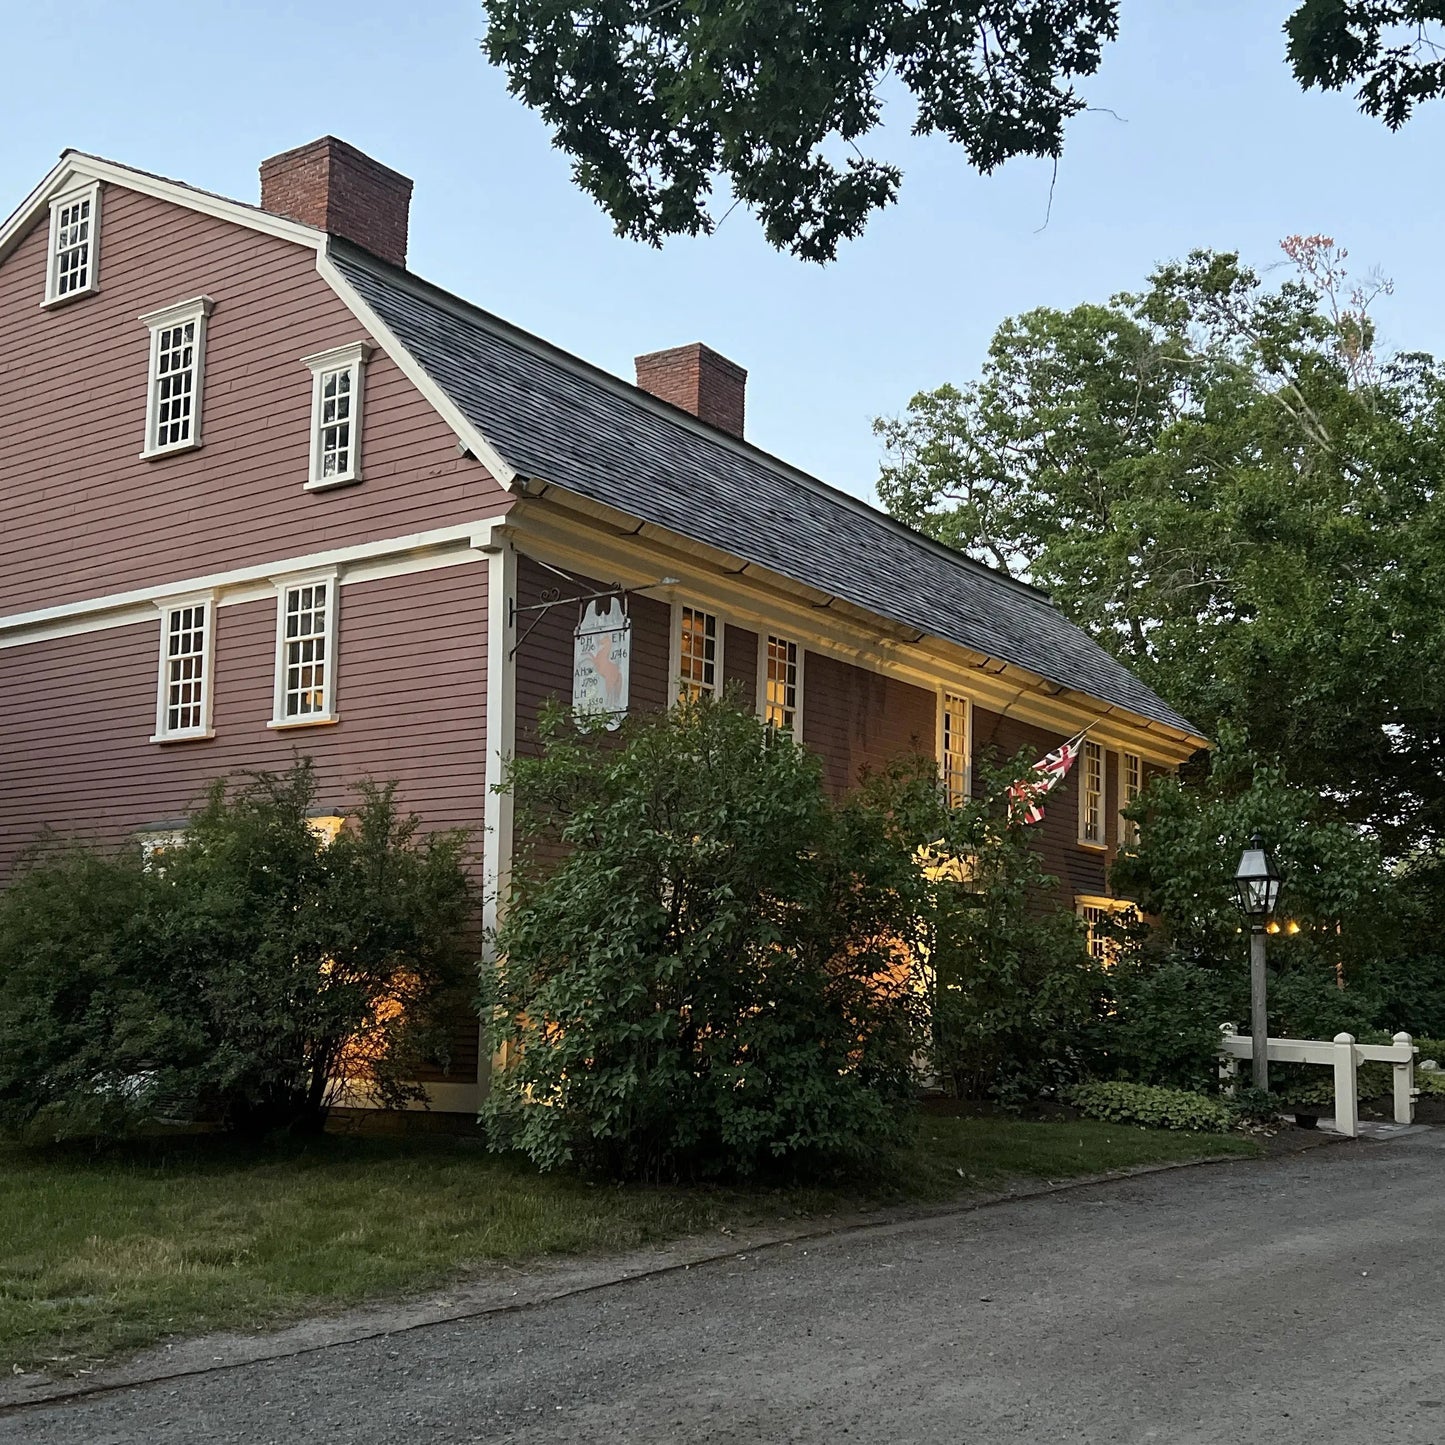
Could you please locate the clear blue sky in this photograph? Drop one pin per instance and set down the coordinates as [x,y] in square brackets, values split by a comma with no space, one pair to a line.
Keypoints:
[1216,146]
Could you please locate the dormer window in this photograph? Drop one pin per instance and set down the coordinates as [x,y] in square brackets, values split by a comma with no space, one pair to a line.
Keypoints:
[71,271]
[336,388]
[177,373]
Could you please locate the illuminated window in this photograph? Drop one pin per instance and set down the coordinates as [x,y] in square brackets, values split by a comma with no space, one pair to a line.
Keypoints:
[1131,784]
[306,652]
[1101,916]
[183,705]
[155,843]
[781,684]
[954,747]
[74,237]
[177,370]
[699,653]
[1091,794]
[336,386]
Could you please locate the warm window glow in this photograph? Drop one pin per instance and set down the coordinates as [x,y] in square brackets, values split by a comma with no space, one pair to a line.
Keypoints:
[1091,793]
[697,652]
[780,684]
[1098,914]
[955,748]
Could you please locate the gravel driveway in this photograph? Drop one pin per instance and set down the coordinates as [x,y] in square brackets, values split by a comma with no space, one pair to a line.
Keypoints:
[1290,1300]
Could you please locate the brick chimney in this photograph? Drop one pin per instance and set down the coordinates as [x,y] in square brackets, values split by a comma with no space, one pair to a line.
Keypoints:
[698,380]
[334,187]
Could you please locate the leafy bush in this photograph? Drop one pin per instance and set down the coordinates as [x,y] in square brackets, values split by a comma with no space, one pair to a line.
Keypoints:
[1152,1106]
[715,977]
[1163,1026]
[254,969]
[1016,993]
[1254,1106]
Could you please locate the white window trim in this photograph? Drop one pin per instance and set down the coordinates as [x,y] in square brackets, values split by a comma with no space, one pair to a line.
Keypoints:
[796,732]
[157,840]
[944,693]
[1085,901]
[91,192]
[353,358]
[162,734]
[1102,841]
[197,309]
[1128,833]
[328,713]
[674,654]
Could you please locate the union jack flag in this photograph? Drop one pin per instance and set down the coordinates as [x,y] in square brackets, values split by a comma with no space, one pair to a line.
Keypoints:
[1025,797]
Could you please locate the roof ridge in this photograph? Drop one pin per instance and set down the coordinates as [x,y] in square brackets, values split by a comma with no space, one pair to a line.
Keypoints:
[675,414]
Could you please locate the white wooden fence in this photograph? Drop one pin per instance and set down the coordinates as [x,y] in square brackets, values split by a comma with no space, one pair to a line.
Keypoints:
[1345,1056]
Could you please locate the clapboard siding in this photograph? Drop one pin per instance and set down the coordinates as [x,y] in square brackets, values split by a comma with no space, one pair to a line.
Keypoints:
[857,720]
[79,712]
[740,664]
[84,516]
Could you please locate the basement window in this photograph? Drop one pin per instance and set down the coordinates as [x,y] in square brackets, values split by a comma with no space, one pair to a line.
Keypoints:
[177,371]
[336,387]
[73,256]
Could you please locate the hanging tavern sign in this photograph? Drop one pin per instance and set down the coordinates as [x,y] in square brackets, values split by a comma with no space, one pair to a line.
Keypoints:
[602,661]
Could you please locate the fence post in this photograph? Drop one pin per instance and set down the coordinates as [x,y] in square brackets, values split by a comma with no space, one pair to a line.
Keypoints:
[1347,1103]
[1228,1064]
[1405,1081]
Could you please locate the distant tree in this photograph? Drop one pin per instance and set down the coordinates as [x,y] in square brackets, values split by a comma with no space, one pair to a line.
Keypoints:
[656,100]
[1229,488]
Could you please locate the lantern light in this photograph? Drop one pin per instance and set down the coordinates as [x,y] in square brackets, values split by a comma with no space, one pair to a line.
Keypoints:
[1257,882]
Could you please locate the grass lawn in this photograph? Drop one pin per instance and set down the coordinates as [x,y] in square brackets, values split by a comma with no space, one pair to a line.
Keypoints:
[103,1253]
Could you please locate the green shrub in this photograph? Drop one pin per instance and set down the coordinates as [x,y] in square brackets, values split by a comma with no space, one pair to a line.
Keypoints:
[1254,1106]
[1015,992]
[715,977]
[251,971]
[1151,1106]
[1163,1023]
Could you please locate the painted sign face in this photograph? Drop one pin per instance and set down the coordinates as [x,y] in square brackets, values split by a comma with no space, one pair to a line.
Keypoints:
[602,662]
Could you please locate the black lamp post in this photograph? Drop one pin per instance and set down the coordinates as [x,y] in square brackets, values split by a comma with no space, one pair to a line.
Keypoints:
[1257,882]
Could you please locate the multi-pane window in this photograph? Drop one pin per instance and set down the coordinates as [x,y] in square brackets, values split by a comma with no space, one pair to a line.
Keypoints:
[1091,794]
[1102,917]
[955,748]
[781,684]
[1131,784]
[699,653]
[305,653]
[74,230]
[177,363]
[336,415]
[183,706]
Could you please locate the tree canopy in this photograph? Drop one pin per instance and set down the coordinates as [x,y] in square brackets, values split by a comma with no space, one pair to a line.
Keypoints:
[657,100]
[1228,487]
